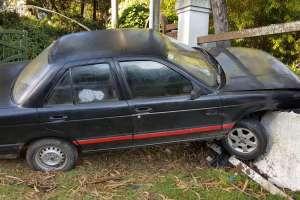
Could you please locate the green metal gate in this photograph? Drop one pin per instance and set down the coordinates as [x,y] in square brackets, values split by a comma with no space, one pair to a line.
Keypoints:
[13,46]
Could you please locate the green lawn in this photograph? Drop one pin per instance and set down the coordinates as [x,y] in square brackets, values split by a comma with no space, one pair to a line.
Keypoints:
[167,172]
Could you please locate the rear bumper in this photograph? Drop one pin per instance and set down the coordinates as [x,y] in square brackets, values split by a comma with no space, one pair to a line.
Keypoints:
[10,151]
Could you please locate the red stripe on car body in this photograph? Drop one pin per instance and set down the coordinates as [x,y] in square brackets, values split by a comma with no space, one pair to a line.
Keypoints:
[103,140]
[228,126]
[177,132]
[154,135]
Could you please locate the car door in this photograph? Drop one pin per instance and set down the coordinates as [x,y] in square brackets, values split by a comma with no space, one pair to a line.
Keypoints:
[160,98]
[86,107]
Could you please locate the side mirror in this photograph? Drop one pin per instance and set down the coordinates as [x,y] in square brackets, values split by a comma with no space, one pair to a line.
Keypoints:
[195,93]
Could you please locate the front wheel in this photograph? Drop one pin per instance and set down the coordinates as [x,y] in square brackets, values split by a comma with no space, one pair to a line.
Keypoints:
[51,155]
[247,140]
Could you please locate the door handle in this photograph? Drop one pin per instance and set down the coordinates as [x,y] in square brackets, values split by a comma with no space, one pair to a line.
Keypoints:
[143,110]
[58,118]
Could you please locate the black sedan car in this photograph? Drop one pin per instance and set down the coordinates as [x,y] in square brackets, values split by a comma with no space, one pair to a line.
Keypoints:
[117,89]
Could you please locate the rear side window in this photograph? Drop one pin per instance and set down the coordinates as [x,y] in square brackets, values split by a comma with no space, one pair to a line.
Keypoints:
[62,93]
[93,83]
[148,79]
[85,84]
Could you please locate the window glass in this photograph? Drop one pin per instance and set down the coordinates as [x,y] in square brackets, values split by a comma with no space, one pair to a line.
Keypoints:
[62,93]
[152,79]
[193,61]
[31,76]
[93,83]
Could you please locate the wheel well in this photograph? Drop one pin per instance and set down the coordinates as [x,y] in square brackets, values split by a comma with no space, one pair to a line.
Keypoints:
[255,115]
[25,146]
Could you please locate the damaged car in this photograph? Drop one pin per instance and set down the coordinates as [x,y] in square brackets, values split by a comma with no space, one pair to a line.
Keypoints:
[116,89]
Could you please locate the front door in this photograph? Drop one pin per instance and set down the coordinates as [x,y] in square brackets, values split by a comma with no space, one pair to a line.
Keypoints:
[161,102]
[86,107]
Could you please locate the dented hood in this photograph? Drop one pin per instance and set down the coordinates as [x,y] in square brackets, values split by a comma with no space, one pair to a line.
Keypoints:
[252,69]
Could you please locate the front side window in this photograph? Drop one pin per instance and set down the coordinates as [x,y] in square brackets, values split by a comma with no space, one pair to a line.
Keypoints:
[193,61]
[148,79]
[85,84]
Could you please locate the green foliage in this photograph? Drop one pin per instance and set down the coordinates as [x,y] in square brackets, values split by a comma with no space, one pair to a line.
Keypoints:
[134,16]
[38,36]
[41,33]
[168,9]
[244,14]
[136,13]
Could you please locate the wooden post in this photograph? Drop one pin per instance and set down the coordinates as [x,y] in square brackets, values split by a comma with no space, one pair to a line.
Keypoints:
[154,15]
[253,32]
[114,13]
[219,10]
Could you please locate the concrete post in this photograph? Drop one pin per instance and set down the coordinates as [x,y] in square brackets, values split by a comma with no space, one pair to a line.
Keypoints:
[193,20]
[154,15]
[114,13]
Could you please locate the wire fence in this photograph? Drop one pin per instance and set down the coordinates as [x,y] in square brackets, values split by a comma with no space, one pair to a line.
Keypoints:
[13,46]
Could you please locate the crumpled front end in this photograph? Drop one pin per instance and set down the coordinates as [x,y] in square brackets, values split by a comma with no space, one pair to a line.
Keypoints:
[252,69]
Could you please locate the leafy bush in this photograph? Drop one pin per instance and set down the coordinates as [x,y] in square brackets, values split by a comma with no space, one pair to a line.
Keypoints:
[39,36]
[168,9]
[41,33]
[134,16]
[244,14]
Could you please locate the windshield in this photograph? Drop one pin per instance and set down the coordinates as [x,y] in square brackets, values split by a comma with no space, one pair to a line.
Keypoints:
[193,61]
[31,76]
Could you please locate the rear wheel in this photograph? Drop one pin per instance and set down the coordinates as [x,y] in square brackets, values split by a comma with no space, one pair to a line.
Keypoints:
[51,155]
[247,140]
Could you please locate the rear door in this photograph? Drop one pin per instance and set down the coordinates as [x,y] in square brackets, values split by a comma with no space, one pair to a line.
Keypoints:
[86,106]
[160,98]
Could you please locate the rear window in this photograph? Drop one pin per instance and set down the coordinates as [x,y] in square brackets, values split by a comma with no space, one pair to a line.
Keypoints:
[31,76]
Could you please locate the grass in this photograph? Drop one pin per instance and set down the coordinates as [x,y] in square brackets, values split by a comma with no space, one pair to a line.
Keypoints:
[167,172]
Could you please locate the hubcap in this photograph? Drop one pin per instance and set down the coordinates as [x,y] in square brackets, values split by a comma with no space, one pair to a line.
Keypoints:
[242,140]
[50,157]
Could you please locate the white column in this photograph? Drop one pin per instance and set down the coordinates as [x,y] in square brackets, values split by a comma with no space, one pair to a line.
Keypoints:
[154,15]
[114,13]
[193,20]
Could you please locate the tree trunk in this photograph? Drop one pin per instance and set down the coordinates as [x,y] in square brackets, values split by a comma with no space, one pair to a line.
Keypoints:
[94,10]
[219,10]
[114,13]
[82,5]
[1,3]
[154,19]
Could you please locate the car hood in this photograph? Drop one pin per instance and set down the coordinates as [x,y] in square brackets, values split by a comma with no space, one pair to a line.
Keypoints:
[8,74]
[252,69]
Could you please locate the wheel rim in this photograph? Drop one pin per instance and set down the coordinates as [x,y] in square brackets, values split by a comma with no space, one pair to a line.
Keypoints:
[242,140]
[50,158]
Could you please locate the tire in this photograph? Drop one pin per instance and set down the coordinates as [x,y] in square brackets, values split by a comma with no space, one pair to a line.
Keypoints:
[51,155]
[244,130]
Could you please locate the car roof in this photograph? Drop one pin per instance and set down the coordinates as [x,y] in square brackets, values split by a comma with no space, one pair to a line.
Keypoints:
[108,43]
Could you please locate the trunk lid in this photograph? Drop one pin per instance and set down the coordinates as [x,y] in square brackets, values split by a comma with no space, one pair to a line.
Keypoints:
[8,74]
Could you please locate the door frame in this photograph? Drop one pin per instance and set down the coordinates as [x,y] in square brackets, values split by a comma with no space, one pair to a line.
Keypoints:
[117,84]
[194,82]
[162,61]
